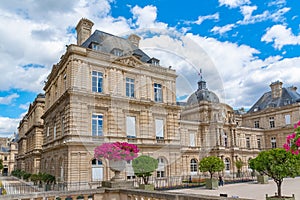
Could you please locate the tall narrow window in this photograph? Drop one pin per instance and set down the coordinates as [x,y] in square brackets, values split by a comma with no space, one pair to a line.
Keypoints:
[159,128]
[194,167]
[97,125]
[97,81]
[157,92]
[48,131]
[192,139]
[62,124]
[287,119]
[225,140]
[248,142]
[130,127]
[256,124]
[161,168]
[54,132]
[273,142]
[129,87]
[227,164]
[97,170]
[272,122]
[258,143]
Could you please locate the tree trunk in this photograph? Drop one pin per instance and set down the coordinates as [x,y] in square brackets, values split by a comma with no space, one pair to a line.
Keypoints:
[279,187]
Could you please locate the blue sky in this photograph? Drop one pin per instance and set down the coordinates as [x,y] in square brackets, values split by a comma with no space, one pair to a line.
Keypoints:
[241,45]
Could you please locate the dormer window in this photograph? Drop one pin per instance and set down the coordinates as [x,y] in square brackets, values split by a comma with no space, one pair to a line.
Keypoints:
[95,46]
[154,61]
[117,52]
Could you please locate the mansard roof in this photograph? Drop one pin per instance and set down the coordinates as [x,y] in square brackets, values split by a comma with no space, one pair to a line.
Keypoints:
[289,96]
[109,42]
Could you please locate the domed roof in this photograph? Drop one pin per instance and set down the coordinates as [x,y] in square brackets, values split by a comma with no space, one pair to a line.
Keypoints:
[202,94]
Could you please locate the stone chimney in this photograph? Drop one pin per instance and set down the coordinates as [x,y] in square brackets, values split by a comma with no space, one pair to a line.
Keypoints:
[134,39]
[84,30]
[276,88]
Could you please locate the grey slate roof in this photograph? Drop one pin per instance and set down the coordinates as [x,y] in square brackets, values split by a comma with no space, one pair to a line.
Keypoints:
[289,96]
[202,94]
[108,42]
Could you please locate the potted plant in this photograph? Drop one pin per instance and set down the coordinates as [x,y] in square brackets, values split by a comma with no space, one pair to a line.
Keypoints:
[277,164]
[143,166]
[118,153]
[211,164]
[80,197]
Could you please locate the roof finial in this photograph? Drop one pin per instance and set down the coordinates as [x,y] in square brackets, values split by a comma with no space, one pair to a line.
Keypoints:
[200,74]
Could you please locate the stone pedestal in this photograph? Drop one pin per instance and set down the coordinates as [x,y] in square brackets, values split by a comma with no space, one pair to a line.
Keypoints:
[117,184]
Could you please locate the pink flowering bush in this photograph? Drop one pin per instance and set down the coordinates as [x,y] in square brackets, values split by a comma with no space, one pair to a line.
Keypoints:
[116,151]
[293,141]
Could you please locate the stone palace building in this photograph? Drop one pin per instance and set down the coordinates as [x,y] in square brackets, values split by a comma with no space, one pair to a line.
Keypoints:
[106,89]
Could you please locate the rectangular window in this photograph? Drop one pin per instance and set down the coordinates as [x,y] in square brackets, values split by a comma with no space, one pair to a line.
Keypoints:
[248,142]
[130,127]
[129,87]
[192,139]
[160,174]
[97,81]
[54,132]
[258,143]
[287,119]
[272,122]
[48,130]
[157,92]
[159,128]
[62,124]
[225,140]
[97,125]
[256,124]
[273,142]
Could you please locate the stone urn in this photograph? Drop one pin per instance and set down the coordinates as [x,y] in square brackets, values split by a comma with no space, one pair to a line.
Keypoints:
[117,166]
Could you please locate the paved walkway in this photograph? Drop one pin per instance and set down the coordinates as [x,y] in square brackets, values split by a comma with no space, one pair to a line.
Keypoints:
[250,190]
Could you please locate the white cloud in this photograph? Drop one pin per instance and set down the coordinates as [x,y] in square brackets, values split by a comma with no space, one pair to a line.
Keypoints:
[8,99]
[8,126]
[280,35]
[203,18]
[24,106]
[277,16]
[233,3]
[146,17]
[222,29]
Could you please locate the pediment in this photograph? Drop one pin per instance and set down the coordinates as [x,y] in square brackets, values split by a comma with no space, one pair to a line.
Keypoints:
[129,61]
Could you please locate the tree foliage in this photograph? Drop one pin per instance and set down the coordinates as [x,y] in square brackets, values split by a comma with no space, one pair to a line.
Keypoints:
[239,164]
[211,164]
[143,166]
[1,164]
[277,164]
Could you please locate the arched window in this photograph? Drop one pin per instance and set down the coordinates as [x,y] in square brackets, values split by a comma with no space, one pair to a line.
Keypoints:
[161,168]
[97,170]
[227,164]
[249,168]
[194,167]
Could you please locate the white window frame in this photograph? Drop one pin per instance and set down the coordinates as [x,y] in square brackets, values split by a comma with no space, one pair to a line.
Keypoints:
[160,172]
[97,170]
[287,119]
[248,142]
[272,122]
[194,166]
[98,131]
[97,81]
[158,96]
[130,87]
[131,126]
[159,128]
[192,140]
[227,164]
[273,142]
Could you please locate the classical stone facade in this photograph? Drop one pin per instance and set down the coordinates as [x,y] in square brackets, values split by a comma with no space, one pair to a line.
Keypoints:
[106,89]
[8,152]
[31,137]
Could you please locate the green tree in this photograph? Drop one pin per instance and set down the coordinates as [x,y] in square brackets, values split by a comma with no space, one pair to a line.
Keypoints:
[211,164]
[277,164]
[1,164]
[239,164]
[143,166]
